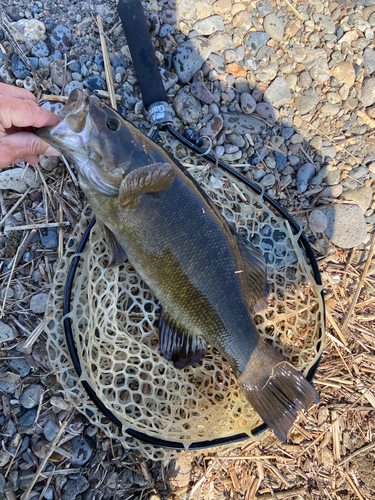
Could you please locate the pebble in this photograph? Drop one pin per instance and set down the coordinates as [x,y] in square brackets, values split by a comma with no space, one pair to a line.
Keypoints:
[18,68]
[369,61]
[278,93]
[50,240]
[242,124]
[274,27]
[209,25]
[81,451]
[255,40]
[280,160]
[346,226]
[95,83]
[222,7]
[325,23]
[268,180]
[361,197]
[199,90]
[50,430]
[344,72]
[169,79]
[187,107]
[61,38]
[28,418]
[212,128]
[317,221]
[263,8]
[368,92]
[58,73]
[267,111]
[248,103]
[38,303]
[31,396]
[307,102]
[190,56]
[28,30]
[6,332]
[73,85]
[11,179]
[74,487]
[17,363]
[304,175]
[40,49]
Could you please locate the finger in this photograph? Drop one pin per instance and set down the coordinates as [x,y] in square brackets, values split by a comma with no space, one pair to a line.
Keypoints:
[33,160]
[24,113]
[16,92]
[23,144]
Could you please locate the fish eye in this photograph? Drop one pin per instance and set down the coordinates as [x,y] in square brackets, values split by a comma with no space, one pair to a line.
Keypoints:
[113,124]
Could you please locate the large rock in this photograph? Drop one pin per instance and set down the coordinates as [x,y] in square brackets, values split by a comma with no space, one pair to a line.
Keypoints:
[11,179]
[187,107]
[362,197]
[243,124]
[346,226]
[28,30]
[278,93]
[190,56]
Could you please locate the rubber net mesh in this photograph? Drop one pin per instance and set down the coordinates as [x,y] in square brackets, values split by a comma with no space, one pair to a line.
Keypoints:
[114,317]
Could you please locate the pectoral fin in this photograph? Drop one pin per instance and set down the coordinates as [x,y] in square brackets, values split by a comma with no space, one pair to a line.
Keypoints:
[177,345]
[148,179]
[256,274]
[117,251]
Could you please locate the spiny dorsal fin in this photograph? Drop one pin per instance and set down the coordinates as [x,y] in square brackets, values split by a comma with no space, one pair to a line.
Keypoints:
[256,274]
[148,179]
[176,345]
[118,254]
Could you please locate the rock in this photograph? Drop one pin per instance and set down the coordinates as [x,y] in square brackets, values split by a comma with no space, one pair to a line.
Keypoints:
[280,160]
[18,364]
[237,140]
[242,20]
[278,93]
[218,62]
[28,418]
[307,102]
[81,451]
[220,42]
[332,191]
[187,107]
[6,75]
[40,49]
[304,175]
[361,197]
[6,332]
[209,25]
[222,7]
[255,40]
[74,487]
[369,61]
[344,72]
[258,174]
[28,30]
[50,430]
[329,109]
[38,303]
[212,128]
[268,180]
[169,79]
[242,124]
[368,92]
[235,70]
[61,38]
[292,27]
[190,56]
[73,85]
[179,472]
[57,68]
[199,90]
[50,240]
[31,396]
[263,8]
[248,103]
[346,225]
[251,63]
[166,29]
[287,132]
[317,221]
[274,27]
[325,23]
[185,10]
[266,111]
[18,68]
[95,83]
[316,142]
[11,179]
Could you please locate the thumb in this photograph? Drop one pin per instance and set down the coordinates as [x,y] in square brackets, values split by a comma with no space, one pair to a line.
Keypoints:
[21,145]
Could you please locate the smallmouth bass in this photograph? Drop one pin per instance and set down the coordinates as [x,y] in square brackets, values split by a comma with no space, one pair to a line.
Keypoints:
[207,280]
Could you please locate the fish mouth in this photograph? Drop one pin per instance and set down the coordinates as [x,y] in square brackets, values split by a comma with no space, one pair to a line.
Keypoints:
[69,135]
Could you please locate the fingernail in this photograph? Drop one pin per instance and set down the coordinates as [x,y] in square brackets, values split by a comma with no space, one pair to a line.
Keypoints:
[50,151]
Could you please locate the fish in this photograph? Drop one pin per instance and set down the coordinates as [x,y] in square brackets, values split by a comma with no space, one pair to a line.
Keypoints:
[208,280]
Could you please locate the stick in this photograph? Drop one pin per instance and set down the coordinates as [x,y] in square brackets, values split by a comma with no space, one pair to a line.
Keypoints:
[14,207]
[336,144]
[38,226]
[358,452]
[356,490]
[107,65]
[360,283]
[283,494]
[49,452]
[294,10]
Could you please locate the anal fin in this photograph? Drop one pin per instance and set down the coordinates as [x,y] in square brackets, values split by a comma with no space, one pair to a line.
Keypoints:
[256,274]
[117,251]
[177,345]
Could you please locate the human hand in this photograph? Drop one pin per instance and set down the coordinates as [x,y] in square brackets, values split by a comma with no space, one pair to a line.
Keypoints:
[19,113]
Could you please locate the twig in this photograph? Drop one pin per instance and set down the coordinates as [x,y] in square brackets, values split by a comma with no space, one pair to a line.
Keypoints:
[8,284]
[356,490]
[293,492]
[74,178]
[47,483]
[336,144]
[107,65]
[360,283]
[47,455]
[34,335]
[16,205]
[358,452]
[38,226]
[336,328]
[13,458]
[294,10]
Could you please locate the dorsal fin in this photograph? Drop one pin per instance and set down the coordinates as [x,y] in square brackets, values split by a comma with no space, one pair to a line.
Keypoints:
[177,345]
[256,274]
[142,180]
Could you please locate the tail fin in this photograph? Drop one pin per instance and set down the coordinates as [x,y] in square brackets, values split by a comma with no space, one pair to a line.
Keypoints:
[275,389]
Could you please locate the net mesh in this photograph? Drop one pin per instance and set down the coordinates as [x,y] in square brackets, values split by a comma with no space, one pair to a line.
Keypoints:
[114,317]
